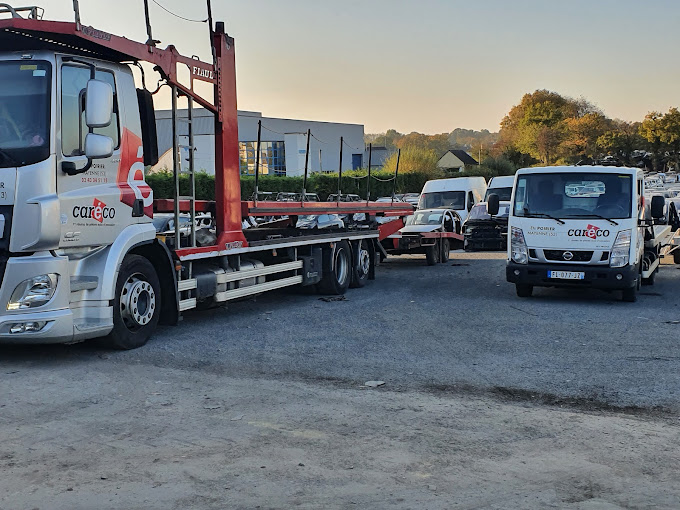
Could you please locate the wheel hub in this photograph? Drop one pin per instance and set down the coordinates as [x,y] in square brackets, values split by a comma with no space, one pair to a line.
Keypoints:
[364,261]
[137,302]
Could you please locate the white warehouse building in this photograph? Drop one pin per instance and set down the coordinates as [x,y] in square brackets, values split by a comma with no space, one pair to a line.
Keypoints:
[282,149]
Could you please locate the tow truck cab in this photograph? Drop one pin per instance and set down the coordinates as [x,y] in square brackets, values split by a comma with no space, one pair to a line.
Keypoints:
[71,187]
[580,227]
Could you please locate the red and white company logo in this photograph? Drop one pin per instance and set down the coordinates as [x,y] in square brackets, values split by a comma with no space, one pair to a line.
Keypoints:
[98,211]
[591,231]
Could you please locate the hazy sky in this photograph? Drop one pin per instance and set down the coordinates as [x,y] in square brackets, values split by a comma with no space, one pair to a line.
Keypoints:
[422,65]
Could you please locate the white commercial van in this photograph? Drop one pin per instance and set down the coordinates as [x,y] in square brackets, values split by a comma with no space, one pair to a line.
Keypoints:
[458,193]
[584,227]
[501,186]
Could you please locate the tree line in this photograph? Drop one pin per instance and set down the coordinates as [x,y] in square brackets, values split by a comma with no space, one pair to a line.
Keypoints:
[548,128]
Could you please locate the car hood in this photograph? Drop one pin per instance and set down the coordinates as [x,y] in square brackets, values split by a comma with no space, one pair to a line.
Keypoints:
[417,229]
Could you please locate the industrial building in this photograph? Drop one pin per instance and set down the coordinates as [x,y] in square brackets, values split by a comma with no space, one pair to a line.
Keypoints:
[283,146]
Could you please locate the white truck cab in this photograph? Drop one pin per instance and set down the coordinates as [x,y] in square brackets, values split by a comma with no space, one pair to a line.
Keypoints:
[583,227]
[458,194]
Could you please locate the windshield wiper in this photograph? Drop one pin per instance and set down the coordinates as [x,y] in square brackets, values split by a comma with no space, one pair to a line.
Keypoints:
[7,156]
[527,214]
[593,215]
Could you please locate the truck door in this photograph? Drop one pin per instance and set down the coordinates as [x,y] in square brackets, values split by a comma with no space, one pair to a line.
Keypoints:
[89,201]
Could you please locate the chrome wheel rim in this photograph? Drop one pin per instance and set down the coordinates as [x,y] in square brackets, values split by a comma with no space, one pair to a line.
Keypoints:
[137,302]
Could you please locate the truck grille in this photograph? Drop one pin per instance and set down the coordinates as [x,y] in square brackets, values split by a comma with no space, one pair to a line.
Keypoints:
[577,256]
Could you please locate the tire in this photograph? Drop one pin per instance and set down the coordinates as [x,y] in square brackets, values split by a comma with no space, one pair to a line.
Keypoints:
[136,305]
[337,270]
[432,254]
[446,248]
[361,266]
[676,256]
[524,290]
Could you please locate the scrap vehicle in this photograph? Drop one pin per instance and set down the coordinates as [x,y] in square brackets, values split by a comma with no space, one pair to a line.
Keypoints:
[586,226]
[79,254]
[481,231]
[433,232]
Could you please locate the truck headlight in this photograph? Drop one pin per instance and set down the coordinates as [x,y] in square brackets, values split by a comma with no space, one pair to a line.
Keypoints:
[621,249]
[33,292]
[518,247]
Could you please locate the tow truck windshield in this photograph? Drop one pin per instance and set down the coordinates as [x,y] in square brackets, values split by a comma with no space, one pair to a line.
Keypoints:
[574,195]
[24,112]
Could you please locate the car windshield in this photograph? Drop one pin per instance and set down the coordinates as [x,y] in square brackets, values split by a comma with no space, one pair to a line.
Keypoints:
[503,193]
[574,195]
[447,199]
[24,112]
[425,218]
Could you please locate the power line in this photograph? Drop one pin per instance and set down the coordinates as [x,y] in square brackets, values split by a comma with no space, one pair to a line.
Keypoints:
[178,16]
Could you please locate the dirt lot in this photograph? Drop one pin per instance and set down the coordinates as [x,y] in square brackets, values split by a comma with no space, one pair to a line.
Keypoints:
[263,405]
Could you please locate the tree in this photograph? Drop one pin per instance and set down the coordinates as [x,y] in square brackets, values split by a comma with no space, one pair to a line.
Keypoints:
[621,140]
[670,135]
[583,133]
[652,129]
[414,159]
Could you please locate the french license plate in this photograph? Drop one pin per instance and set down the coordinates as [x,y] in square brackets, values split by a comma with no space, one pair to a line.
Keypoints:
[567,275]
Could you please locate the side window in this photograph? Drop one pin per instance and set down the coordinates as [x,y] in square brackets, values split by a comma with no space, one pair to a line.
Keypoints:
[73,128]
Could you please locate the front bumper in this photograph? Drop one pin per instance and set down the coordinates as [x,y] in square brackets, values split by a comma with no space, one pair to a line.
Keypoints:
[56,314]
[597,277]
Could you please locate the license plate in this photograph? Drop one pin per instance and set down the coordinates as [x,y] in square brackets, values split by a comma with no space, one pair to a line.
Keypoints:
[567,275]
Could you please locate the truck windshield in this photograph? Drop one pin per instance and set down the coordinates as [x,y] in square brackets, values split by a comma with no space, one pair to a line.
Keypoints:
[574,195]
[24,112]
[444,199]
[503,193]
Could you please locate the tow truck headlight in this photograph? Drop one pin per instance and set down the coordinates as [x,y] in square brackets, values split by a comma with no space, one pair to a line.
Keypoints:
[33,292]
[621,249]
[518,247]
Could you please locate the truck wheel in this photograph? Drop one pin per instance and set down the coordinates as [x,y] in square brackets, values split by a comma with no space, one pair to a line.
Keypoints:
[446,248]
[676,256]
[337,270]
[361,266]
[524,290]
[137,304]
[432,254]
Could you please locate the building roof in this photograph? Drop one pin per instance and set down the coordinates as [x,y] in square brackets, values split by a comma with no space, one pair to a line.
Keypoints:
[463,156]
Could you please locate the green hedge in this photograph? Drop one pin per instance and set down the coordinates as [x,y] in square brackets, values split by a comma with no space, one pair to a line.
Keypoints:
[322,184]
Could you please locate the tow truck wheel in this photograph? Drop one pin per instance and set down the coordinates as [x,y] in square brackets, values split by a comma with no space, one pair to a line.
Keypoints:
[676,256]
[432,254]
[337,269]
[524,290]
[137,304]
[446,248]
[361,266]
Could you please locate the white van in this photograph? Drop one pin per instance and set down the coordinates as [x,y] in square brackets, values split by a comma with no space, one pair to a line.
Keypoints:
[501,186]
[458,193]
[585,227]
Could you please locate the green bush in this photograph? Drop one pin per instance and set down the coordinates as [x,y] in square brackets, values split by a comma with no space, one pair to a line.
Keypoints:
[323,184]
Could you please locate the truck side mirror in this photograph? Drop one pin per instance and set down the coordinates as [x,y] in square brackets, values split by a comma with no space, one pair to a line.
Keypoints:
[98,104]
[98,146]
[492,204]
[658,204]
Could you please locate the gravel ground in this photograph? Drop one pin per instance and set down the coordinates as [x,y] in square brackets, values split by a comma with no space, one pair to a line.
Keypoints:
[566,400]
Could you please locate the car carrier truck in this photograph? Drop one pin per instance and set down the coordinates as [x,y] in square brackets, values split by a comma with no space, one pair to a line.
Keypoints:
[79,255]
[585,226]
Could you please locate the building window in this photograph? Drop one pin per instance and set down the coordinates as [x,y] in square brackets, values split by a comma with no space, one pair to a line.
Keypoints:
[272,158]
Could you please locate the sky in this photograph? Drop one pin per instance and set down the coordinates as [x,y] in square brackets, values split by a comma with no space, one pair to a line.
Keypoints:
[421,65]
